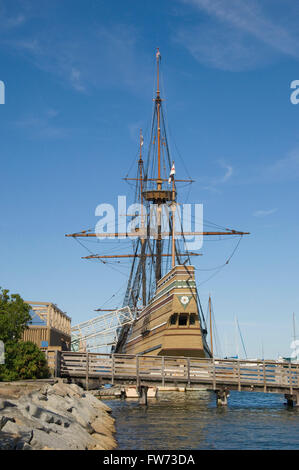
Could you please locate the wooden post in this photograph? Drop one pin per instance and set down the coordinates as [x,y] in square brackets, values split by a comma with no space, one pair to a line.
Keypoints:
[264,377]
[214,374]
[221,396]
[290,379]
[55,362]
[112,369]
[188,370]
[142,391]
[292,399]
[87,372]
[239,377]
[163,371]
[137,372]
[58,363]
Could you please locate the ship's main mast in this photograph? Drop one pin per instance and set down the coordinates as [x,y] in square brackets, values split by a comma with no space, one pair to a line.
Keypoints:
[158,104]
[159,182]
[152,191]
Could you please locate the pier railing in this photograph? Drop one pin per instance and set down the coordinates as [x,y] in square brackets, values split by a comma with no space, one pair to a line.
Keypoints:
[267,376]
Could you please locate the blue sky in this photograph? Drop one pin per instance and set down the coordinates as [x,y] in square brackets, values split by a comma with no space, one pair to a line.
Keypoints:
[79,79]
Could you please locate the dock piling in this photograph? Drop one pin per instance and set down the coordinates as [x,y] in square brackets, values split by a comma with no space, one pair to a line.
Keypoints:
[222,396]
[142,390]
[292,399]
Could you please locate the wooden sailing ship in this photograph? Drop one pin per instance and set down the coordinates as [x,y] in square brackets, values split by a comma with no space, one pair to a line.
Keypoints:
[161,289]
[170,324]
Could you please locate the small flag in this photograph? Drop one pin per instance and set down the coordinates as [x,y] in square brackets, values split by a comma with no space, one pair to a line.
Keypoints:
[172,173]
[141,140]
[158,55]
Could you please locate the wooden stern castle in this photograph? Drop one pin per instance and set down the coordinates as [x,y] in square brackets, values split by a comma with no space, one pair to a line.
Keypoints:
[170,324]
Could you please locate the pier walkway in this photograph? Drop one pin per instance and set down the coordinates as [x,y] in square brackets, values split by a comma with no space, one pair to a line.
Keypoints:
[220,375]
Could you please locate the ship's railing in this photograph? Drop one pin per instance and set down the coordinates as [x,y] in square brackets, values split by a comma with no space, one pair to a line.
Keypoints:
[163,369]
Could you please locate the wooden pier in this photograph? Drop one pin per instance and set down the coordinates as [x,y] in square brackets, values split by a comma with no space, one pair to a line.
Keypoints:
[220,375]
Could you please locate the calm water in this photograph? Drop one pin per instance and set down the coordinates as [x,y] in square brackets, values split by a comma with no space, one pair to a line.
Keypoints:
[191,420]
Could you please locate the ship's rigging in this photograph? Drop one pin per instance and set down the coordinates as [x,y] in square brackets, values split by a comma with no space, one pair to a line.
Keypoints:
[155,187]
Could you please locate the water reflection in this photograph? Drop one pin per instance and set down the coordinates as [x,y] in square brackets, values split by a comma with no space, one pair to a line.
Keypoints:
[191,420]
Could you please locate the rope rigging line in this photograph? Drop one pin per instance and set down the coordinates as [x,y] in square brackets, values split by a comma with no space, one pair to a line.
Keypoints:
[168,128]
[113,295]
[221,266]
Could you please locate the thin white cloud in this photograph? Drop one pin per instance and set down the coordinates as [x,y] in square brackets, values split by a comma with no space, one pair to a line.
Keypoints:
[75,79]
[264,213]
[212,189]
[41,126]
[101,56]
[213,184]
[13,15]
[280,170]
[238,34]
[30,46]
[247,16]
[228,173]
[12,22]
[284,169]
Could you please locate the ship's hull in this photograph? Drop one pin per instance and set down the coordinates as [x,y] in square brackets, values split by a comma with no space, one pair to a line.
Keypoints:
[170,325]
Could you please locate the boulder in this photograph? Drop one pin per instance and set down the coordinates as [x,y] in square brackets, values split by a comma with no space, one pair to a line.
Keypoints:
[63,390]
[5,403]
[45,415]
[76,389]
[52,440]
[21,445]
[59,417]
[24,433]
[103,442]
[7,441]
[95,402]
[103,425]
[4,420]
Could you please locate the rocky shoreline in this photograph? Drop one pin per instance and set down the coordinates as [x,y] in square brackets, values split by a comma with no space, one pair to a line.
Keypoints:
[54,417]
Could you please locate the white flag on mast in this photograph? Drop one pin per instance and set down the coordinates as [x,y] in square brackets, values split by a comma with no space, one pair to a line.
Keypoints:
[141,140]
[172,173]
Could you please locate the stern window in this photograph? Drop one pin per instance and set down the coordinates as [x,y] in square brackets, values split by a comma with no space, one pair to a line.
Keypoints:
[173,319]
[192,319]
[183,319]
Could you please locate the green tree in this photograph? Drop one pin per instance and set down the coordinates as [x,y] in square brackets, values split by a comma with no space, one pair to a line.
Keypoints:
[23,360]
[14,316]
